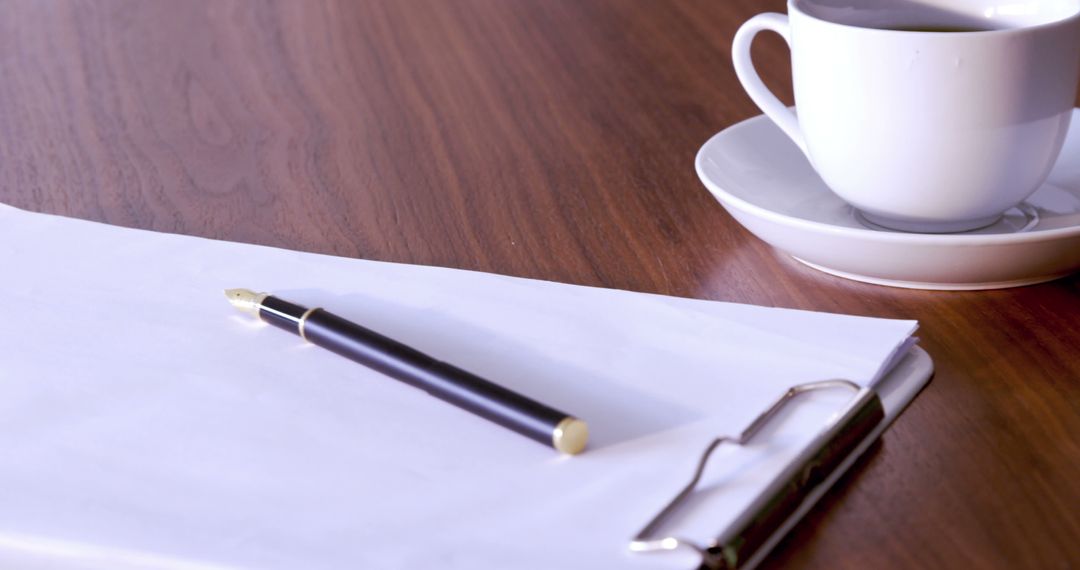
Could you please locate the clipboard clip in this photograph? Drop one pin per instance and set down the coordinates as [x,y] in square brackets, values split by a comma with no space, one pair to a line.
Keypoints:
[753,533]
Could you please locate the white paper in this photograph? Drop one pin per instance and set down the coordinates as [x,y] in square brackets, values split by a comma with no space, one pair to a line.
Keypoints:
[146,424]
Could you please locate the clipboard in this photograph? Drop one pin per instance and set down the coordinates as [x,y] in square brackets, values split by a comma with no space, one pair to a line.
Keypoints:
[755,532]
[285,457]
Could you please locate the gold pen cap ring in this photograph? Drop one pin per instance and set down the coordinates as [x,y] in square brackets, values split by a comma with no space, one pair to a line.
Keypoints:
[570,436]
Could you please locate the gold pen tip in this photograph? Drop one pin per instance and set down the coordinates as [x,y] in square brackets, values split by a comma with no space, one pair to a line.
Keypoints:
[570,436]
[245,299]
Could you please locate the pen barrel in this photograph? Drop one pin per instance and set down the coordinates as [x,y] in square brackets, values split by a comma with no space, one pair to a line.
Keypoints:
[444,381]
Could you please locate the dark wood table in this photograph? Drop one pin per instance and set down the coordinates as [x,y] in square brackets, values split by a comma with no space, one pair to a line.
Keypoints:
[551,139]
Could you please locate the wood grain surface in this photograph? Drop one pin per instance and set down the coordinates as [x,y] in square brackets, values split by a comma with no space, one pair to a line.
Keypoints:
[551,139]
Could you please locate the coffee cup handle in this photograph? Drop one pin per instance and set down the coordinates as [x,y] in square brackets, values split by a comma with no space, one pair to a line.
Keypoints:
[751,81]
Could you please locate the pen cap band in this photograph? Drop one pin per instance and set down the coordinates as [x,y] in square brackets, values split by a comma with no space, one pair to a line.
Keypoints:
[303,322]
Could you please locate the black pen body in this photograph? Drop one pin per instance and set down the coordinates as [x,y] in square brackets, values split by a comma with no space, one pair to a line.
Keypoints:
[461,388]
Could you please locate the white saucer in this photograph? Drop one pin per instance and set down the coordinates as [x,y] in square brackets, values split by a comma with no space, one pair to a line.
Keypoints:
[766,183]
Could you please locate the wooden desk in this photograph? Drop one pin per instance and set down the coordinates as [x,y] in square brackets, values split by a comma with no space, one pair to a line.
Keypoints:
[540,138]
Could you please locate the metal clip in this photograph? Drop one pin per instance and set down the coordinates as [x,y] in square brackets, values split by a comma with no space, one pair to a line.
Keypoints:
[741,545]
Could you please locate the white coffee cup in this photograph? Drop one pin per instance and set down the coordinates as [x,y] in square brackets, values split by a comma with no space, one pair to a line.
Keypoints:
[925,131]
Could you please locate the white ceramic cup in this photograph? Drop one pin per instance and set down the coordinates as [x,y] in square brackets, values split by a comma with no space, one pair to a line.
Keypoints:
[925,131]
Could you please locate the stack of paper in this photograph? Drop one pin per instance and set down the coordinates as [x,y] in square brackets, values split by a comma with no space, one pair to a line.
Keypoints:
[146,424]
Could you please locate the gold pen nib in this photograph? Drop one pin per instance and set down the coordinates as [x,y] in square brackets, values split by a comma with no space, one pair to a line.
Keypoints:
[245,300]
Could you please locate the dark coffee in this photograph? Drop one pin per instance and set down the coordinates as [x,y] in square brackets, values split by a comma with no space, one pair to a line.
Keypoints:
[939,29]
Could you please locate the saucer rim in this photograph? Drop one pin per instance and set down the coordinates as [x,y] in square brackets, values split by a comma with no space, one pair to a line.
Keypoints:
[726,198]
[934,285]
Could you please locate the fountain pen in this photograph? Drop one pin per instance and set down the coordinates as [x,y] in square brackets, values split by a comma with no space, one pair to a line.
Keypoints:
[449,383]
